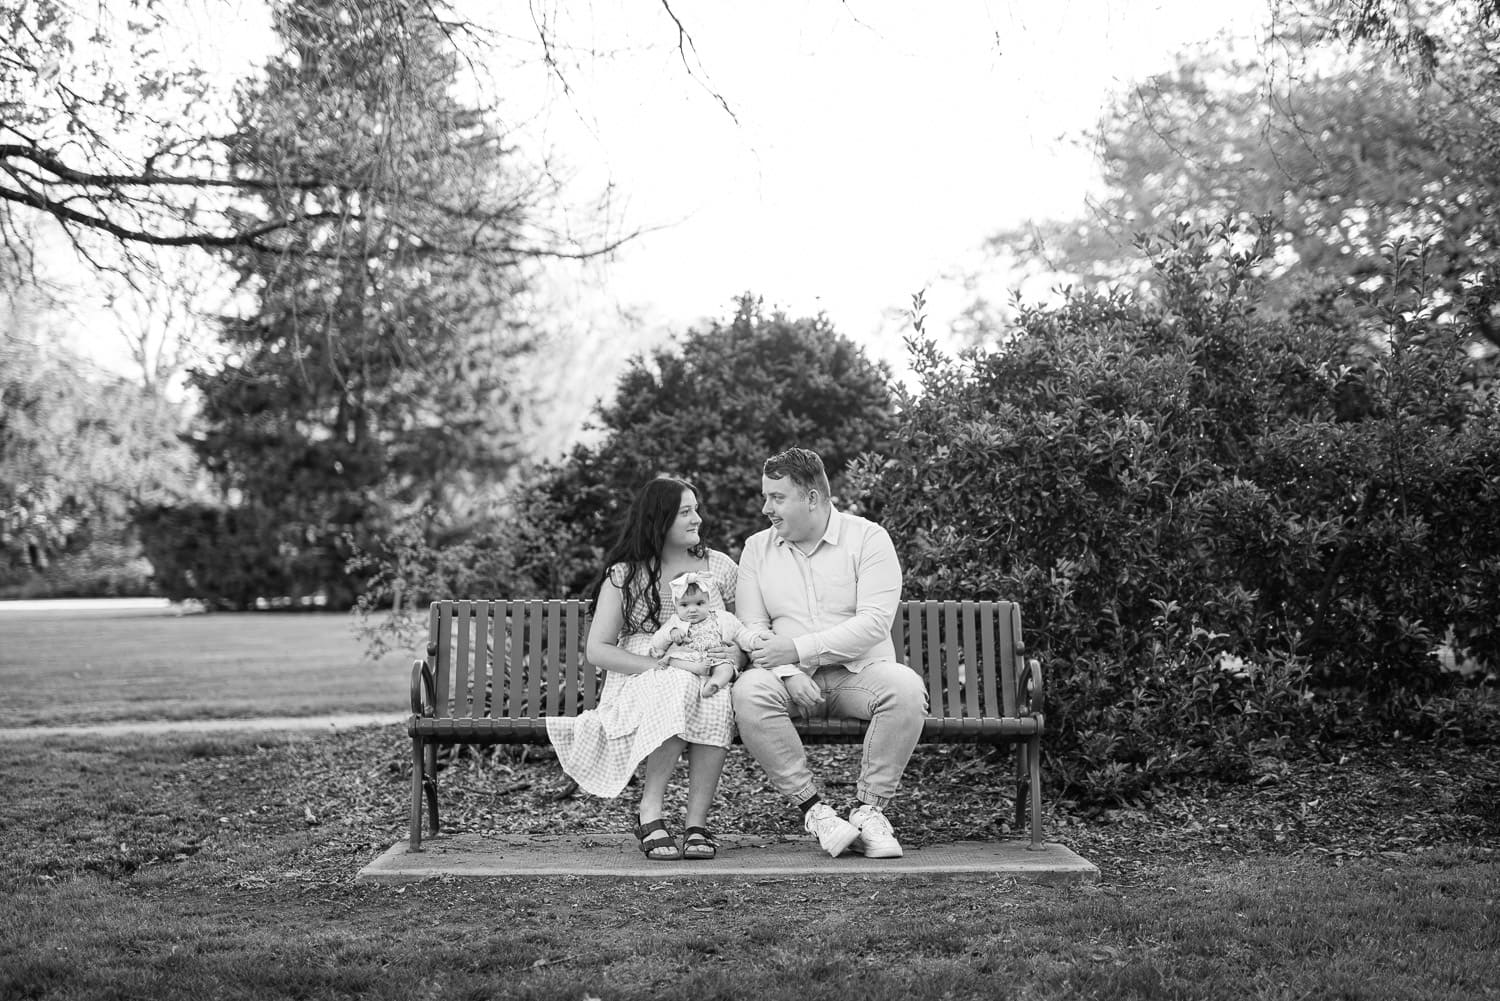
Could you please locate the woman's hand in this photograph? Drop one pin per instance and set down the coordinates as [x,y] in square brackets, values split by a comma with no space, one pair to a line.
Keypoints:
[729,653]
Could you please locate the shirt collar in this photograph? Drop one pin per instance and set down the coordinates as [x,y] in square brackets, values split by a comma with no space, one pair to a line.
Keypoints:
[830,534]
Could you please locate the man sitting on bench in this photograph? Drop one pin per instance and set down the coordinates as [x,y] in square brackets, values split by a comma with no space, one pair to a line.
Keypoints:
[820,590]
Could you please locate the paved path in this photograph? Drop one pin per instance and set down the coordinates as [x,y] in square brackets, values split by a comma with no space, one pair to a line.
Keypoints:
[340,721]
[157,605]
[740,856]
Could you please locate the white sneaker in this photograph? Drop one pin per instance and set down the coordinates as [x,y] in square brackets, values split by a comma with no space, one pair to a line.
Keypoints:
[876,839]
[835,834]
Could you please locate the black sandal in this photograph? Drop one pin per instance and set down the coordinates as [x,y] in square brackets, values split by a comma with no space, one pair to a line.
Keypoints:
[657,841]
[699,843]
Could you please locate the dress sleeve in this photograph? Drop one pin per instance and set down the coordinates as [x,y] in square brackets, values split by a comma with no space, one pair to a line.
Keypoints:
[725,574]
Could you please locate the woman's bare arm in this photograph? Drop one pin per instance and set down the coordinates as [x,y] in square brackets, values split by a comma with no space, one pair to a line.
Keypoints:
[603,645]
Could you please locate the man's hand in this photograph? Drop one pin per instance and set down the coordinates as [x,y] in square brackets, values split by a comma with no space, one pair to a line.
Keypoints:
[771,650]
[803,690]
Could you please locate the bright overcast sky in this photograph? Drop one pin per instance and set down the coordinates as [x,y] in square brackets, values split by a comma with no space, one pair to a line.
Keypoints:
[873,145]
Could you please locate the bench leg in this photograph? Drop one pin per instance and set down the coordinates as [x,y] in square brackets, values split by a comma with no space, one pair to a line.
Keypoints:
[429,782]
[1022,791]
[418,779]
[1029,789]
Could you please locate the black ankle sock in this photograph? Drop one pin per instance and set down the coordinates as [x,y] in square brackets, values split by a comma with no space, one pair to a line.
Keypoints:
[809,804]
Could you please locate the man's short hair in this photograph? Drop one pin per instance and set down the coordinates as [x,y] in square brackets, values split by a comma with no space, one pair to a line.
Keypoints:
[802,466]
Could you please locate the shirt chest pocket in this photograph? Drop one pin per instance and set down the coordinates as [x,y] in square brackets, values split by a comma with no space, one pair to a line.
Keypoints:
[835,590]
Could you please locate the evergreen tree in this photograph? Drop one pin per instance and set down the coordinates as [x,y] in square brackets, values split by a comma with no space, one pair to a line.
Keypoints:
[370,380]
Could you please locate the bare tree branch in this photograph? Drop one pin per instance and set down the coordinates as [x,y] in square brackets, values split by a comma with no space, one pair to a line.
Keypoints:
[684,45]
[60,155]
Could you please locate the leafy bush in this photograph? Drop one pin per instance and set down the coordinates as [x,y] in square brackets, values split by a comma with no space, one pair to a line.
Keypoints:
[106,568]
[507,559]
[712,412]
[1211,517]
[241,558]
[78,450]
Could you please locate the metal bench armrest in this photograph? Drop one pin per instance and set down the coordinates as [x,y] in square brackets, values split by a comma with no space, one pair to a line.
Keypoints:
[423,683]
[1030,696]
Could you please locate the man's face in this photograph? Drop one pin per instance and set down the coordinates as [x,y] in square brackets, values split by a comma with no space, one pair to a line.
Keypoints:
[693,607]
[789,507]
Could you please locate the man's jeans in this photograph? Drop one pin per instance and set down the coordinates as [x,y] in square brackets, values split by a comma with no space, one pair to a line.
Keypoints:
[890,695]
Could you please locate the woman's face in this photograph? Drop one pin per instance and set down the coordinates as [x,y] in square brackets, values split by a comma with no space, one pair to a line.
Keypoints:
[684,531]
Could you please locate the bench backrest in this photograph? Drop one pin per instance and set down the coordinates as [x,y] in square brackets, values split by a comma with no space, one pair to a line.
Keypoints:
[518,659]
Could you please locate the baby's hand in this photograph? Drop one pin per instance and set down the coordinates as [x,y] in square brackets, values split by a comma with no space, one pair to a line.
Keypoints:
[679,635]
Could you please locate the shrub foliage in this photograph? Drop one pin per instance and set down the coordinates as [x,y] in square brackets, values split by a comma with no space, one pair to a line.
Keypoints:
[1216,521]
[712,411]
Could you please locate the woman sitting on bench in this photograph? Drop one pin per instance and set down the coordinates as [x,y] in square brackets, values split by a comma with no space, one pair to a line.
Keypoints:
[652,707]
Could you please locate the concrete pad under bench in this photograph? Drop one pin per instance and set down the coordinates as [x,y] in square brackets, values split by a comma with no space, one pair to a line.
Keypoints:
[740,855]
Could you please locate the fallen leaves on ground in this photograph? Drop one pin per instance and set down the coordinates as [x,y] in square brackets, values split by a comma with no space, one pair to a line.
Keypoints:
[1395,801]
[315,809]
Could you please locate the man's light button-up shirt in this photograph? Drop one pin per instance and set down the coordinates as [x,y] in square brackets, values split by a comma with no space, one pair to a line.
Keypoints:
[837,602]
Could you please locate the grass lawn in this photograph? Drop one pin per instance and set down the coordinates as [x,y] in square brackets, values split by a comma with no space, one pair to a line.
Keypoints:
[179,867]
[100,666]
[176,866]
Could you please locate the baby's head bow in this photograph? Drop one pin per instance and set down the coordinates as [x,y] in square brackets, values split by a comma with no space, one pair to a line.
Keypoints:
[683,581]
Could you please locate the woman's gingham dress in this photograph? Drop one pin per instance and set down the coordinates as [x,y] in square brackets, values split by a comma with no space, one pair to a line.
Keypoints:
[601,748]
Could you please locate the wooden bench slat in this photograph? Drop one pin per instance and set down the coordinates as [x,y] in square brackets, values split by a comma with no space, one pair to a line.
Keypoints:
[573,680]
[494,645]
[911,654]
[948,663]
[463,619]
[1008,633]
[969,617]
[475,667]
[986,661]
[533,669]
[445,657]
[494,657]
[932,666]
[515,668]
[554,664]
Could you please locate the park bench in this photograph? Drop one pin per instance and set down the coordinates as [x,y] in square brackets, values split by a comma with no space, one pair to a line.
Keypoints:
[495,670]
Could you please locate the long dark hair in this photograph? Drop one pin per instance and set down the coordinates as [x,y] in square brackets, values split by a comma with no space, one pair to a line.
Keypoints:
[639,548]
